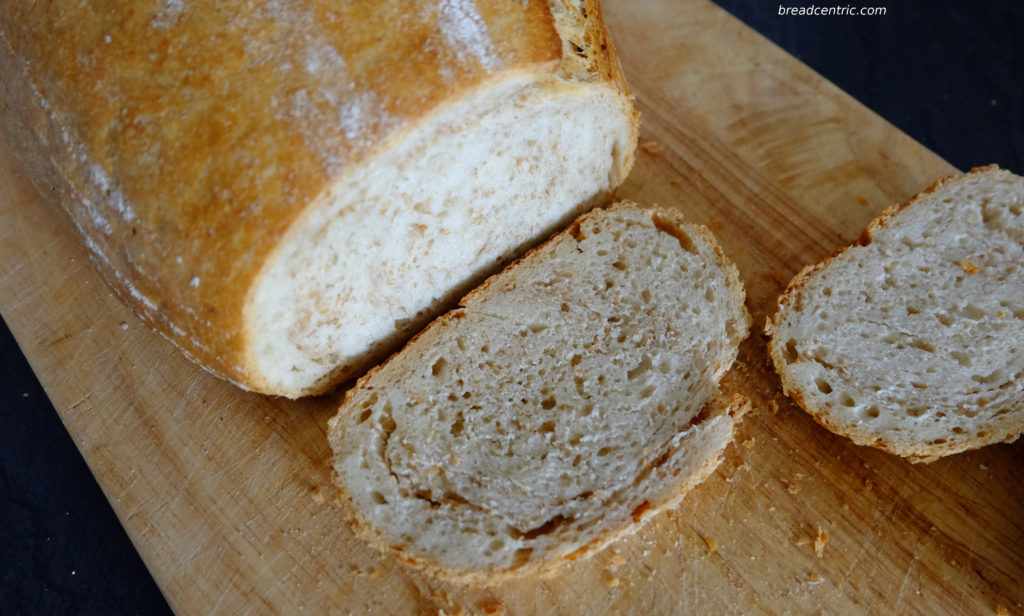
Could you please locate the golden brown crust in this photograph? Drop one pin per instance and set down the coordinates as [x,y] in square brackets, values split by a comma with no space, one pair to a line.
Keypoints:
[183,140]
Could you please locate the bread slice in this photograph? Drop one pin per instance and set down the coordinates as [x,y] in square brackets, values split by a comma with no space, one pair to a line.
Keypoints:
[913,340]
[567,400]
[289,190]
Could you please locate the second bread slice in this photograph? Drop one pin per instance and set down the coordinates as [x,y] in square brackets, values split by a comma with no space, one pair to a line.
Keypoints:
[568,399]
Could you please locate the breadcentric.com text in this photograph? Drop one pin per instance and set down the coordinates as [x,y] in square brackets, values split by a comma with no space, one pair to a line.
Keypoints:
[832,10]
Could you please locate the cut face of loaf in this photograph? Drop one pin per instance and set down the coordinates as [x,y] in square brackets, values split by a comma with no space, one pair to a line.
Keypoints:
[288,190]
[568,399]
[913,340]
[439,209]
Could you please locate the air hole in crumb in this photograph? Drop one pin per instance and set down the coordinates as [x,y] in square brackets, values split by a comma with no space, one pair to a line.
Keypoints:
[365,415]
[439,366]
[973,312]
[565,307]
[548,403]
[995,376]
[641,368]
[378,498]
[919,385]
[790,354]
[603,451]
[873,412]
[964,359]
[666,226]
[924,346]
[497,544]
[944,319]
[709,295]
[916,411]
[459,425]
[823,385]
[646,296]
[547,427]
[538,327]
[912,310]
[982,434]
[847,400]
[619,265]
[958,430]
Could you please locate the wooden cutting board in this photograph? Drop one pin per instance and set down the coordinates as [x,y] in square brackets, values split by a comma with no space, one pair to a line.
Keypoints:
[226,494]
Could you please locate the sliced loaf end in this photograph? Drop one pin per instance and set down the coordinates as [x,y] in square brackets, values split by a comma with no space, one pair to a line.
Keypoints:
[569,399]
[912,340]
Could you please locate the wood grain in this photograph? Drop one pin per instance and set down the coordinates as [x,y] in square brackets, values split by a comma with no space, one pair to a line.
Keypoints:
[227,497]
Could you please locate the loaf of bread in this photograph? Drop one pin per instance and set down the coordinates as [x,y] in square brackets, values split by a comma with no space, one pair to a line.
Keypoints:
[913,340]
[567,400]
[287,190]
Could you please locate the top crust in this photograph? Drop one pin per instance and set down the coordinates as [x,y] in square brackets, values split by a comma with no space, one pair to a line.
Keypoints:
[908,340]
[185,139]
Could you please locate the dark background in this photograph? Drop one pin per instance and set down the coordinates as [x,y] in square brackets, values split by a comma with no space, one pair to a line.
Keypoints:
[950,74]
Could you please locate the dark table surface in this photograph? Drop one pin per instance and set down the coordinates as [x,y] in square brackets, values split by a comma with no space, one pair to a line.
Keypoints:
[950,74]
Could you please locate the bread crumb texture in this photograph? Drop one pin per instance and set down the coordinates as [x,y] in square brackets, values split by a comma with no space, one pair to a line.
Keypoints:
[911,341]
[568,400]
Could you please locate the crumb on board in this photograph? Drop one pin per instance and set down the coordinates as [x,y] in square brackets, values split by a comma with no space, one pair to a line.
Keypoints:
[868,484]
[615,562]
[773,406]
[712,544]
[651,147]
[819,543]
[1002,611]
[749,443]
